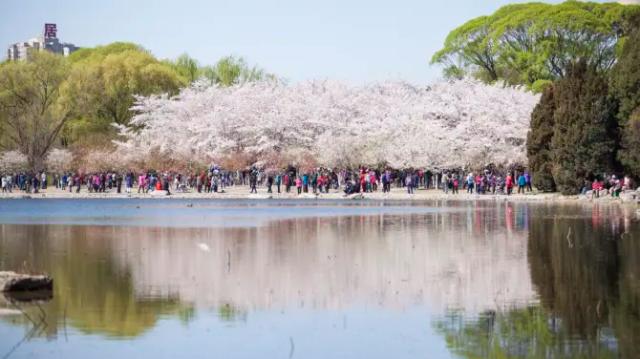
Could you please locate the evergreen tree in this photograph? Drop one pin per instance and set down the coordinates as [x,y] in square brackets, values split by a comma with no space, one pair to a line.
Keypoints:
[625,85]
[629,153]
[539,142]
[585,129]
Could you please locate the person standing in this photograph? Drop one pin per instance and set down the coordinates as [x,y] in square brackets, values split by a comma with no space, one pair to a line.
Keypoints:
[44,180]
[305,183]
[595,189]
[299,184]
[492,183]
[384,182]
[118,182]
[129,182]
[166,184]
[199,183]
[253,181]
[35,183]
[445,183]
[522,183]
[269,183]
[141,183]
[407,182]
[470,182]
[278,181]
[478,184]
[287,182]
[214,183]
[509,184]
[77,180]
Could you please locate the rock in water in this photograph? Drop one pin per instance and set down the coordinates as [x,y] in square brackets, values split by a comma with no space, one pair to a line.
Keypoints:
[15,282]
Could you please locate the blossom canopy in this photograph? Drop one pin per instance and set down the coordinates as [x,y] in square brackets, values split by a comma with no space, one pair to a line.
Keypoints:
[444,125]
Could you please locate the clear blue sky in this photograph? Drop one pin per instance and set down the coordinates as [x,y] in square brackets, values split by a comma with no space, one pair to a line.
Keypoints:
[357,41]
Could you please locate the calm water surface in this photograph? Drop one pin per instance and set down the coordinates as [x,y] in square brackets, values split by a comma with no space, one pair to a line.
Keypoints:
[321,279]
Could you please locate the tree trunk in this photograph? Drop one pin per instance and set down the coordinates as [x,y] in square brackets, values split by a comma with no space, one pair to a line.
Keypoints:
[36,163]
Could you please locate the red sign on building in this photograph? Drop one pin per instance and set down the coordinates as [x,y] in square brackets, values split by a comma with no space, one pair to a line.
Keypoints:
[50,31]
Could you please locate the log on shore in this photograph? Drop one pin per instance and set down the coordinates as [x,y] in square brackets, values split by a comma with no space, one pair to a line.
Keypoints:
[15,282]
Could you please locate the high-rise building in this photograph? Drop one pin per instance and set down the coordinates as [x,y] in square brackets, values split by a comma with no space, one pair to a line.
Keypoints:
[47,41]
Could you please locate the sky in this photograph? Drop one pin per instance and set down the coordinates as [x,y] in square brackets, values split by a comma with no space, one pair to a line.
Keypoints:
[357,41]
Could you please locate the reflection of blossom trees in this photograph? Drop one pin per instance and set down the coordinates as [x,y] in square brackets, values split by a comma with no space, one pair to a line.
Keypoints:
[446,124]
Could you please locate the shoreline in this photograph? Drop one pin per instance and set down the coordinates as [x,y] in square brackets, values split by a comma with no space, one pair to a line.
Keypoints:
[397,194]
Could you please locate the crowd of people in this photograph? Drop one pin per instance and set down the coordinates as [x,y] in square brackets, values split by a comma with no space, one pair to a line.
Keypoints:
[318,180]
[609,185]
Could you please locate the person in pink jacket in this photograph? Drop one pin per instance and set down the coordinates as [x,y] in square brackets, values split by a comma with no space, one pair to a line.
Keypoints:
[299,184]
[142,183]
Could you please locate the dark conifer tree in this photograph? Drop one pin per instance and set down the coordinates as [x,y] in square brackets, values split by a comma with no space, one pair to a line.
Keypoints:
[625,86]
[585,129]
[539,142]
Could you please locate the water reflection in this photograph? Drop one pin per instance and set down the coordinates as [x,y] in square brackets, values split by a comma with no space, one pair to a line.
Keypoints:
[124,277]
[91,291]
[496,279]
[586,271]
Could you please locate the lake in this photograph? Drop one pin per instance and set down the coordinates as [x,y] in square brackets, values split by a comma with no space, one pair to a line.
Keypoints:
[321,279]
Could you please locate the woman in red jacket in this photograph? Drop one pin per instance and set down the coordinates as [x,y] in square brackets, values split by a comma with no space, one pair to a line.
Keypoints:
[509,183]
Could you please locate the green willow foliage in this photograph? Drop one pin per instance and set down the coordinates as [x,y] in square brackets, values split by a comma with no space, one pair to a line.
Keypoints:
[35,104]
[231,70]
[533,44]
[92,89]
[104,82]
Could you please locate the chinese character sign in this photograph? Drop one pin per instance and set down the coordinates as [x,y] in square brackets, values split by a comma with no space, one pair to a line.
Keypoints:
[50,31]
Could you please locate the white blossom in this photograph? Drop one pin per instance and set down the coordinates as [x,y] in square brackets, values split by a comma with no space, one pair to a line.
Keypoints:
[447,124]
[12,161]
[59,160]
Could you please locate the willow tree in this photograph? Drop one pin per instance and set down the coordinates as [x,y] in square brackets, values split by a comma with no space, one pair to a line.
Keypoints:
[187,67]
[231,70]
[533,44]
[105,81]
[34,105]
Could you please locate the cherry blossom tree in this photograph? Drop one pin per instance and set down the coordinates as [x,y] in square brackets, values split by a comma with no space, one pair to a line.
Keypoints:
[444,125]
[13,161]
[59,160]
